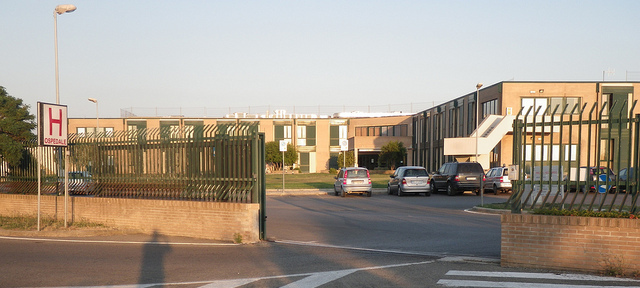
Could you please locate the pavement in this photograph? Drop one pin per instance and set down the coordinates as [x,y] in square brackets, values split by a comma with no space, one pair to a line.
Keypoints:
[119,235]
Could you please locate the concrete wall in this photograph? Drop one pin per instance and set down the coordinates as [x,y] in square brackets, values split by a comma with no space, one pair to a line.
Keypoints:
[570,243]
[208,220]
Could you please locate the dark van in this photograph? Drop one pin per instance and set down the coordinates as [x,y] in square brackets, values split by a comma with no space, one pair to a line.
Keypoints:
[457,177]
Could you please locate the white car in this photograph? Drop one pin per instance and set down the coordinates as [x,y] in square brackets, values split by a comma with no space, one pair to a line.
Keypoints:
[353,180]
[497,180]
[409,179]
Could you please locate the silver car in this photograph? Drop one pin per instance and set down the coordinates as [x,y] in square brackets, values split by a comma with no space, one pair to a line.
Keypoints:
[409,179]
[353,180]
[497,180]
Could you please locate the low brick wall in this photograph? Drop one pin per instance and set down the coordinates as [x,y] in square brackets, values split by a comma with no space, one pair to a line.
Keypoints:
[570,243]
[208,220]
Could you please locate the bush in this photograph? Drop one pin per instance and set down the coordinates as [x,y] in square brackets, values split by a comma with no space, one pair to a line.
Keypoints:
[333,171]
[585,213]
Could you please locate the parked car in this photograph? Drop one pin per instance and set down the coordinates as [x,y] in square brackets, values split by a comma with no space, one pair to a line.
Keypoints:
[594,175]
[457,177]
[497,180]
[80,183]
[353,180]
[409,179]
[624,175]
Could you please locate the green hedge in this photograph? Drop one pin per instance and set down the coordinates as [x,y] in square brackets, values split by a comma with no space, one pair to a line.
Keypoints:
[585,213]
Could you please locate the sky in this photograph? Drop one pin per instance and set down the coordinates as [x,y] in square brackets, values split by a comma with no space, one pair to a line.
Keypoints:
[158,54]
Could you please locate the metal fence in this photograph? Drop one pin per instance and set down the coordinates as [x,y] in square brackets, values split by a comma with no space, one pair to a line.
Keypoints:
[257,110]
[582,157]
[222,163]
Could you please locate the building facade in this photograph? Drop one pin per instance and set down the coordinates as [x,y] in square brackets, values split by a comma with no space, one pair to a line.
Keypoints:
[318,139]
[447,132]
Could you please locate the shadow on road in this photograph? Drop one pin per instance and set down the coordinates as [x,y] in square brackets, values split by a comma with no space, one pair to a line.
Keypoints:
[153,256]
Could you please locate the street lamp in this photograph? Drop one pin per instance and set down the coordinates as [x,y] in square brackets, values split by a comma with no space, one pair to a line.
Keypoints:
[60,9]
[97,118]
[478,86]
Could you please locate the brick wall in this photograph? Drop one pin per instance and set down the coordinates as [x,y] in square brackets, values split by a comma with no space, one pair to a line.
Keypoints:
[208,220]
[570,243]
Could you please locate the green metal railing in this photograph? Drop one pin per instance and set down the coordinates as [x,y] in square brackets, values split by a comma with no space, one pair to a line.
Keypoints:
[223,163]
[568,158]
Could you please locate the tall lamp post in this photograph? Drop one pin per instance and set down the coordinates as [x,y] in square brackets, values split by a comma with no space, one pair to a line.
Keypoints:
[97,118]
[60,9]
[478,86]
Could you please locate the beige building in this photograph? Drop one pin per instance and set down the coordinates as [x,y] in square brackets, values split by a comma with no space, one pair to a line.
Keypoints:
[318,139]
[432,137]
[446,132]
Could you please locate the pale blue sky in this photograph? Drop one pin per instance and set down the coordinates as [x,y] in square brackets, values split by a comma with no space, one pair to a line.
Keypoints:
[238,53]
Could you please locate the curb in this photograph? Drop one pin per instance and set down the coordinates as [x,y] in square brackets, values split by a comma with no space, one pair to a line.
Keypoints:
[490,211]
[311,192]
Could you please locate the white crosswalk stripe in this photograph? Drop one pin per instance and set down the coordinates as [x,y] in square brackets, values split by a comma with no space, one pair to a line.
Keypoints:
[530,278]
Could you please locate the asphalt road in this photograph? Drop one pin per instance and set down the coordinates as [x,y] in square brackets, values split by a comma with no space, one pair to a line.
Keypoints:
[315,241]
[436,225]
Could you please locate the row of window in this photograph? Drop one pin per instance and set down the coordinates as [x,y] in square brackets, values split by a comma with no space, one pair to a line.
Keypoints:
[91,130]
[539,105]
[391,130]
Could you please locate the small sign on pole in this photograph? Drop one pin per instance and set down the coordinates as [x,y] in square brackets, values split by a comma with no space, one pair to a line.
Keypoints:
[283,148]
[344,147]
[52,131]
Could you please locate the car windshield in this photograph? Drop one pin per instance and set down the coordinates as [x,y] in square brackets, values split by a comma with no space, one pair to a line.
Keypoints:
[357,173]
[415,172]
[470,169]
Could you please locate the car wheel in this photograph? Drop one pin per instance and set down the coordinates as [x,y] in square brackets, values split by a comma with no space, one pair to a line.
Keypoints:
[400,193]
[369,194]
[495,190]
[335,191]
[388,189]
[427,194]
[450,190]
[433,187]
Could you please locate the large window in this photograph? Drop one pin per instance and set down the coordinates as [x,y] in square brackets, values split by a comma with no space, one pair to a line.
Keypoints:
[490,108]
[282,132]
[306,135]
[336,133]
[471,118]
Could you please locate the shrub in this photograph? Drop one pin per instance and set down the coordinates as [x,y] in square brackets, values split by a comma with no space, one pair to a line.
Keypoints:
[585,213]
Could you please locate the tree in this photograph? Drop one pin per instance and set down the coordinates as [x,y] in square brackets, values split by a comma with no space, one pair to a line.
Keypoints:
[15,127]
[291,155]
[349,160]
[392,153]
[273,154]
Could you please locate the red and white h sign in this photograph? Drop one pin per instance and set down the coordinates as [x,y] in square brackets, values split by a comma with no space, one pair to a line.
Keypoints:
[52,124]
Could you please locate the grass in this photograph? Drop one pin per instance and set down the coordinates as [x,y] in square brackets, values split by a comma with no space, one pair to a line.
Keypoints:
[30,222]
[315,181]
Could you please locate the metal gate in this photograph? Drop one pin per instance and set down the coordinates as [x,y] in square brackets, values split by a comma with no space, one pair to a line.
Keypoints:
[581,157]
[220,163]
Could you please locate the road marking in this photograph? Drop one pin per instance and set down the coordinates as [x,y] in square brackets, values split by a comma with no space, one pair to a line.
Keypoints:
[318,279]
[533,276]
[310,280]
[302,243]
